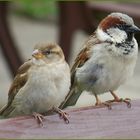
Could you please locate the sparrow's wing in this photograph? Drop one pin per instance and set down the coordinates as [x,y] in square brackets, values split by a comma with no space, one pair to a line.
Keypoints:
[81,59]
[18,82]
[84,54]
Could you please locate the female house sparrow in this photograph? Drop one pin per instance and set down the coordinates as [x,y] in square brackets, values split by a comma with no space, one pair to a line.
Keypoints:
[106,61]
[41,84]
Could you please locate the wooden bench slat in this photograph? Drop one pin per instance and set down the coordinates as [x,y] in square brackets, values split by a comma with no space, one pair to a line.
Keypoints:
[88,122]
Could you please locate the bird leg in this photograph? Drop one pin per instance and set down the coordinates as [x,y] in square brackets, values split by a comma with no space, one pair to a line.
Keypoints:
[99,103]
[117,99]
[62,114]
[39,118]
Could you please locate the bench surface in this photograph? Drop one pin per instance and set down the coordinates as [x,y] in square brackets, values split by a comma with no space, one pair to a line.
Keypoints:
[87,122]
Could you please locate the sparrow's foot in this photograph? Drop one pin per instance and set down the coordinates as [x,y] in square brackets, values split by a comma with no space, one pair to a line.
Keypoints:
[117,99]
[99,103]
[126,100]
[104,104]
[39,118]
[63,115]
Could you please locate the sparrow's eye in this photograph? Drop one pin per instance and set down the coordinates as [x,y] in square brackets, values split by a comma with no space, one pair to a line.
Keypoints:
[47,52]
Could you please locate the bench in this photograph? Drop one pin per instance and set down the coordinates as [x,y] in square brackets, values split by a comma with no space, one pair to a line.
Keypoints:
[86,122]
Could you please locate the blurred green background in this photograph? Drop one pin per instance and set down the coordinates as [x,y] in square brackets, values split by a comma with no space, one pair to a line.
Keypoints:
[36,9]
[43,10]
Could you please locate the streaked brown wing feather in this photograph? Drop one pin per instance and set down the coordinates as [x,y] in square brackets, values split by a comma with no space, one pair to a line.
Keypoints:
[18,82]
[84,54]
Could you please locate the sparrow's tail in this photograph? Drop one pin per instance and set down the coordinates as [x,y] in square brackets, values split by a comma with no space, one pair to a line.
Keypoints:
[71,98]
[6,110]
[3,110]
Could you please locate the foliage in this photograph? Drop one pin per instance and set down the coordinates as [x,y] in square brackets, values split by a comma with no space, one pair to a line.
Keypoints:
[37,8]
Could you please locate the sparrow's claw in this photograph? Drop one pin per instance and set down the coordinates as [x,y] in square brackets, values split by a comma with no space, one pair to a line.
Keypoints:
[63,115]
[99,103]
[126,100]
[104,103]
[117,99]
[40,118]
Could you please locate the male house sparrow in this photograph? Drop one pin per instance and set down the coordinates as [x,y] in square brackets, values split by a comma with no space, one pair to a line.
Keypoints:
[106,61]
[41,84]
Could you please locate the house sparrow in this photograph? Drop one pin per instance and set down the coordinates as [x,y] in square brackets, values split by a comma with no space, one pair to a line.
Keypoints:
[41,84]
[106,61]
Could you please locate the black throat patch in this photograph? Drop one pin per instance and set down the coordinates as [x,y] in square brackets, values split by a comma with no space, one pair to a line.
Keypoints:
[127,46]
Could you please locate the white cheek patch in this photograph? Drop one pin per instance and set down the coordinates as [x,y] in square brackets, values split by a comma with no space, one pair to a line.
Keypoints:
[117,35]
[114,35]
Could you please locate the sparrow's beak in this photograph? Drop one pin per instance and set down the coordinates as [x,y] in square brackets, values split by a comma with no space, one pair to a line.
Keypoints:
[37,54]
[133,29]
